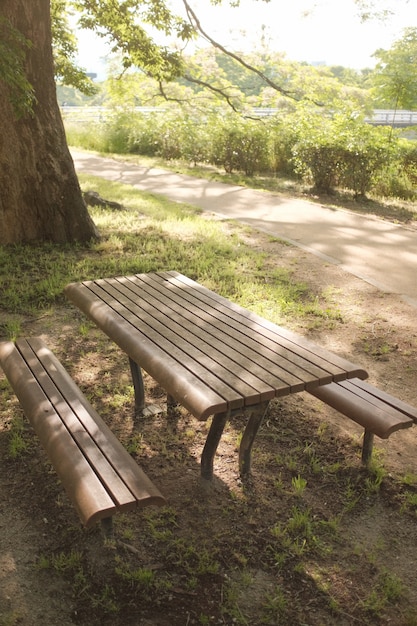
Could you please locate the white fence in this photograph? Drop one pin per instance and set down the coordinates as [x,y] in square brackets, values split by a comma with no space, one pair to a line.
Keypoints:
[380,117]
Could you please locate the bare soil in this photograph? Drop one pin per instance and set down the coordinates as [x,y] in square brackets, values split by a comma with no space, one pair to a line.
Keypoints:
[233,553]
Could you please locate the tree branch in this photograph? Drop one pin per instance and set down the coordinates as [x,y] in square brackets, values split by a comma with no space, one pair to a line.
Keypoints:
[214,89]
[197,25]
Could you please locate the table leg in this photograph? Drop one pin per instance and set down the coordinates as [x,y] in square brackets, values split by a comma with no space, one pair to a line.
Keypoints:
[213,438]
[137,386]
[368,442]
[248,438]
[172,405]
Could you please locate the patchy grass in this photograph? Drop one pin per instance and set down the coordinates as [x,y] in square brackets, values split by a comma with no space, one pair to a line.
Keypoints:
[311,538]
[151,234]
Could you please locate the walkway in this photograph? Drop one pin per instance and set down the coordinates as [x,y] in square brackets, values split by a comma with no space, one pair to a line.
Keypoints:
[379,252]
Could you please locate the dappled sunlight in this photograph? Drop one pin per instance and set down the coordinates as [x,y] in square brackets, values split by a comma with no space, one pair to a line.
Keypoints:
[241,548]
[365,247]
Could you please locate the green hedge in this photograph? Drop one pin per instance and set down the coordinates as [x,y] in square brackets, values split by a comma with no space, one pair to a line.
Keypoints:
[326,152]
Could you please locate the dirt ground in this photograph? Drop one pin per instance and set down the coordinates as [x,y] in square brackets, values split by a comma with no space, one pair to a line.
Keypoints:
[225,555]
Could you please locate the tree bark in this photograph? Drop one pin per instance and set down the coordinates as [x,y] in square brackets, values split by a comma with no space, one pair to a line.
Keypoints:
[40,197]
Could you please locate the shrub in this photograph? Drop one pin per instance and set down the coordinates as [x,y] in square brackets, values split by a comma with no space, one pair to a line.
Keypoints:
[241,145]
[195,138]
[282,140]
[144,136]
[316,152]
[341,151]
[365,152]
[408,158]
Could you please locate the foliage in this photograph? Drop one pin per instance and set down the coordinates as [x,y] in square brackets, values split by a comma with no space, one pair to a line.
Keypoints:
[65,51]
[325,151]
[343,151]
[398,176]
[240,145]
[366,151]
[316,154]
[124,23]
[395,76]
[13,48]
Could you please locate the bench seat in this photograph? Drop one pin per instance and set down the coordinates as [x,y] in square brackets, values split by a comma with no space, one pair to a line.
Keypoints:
[97,472]
[377,411]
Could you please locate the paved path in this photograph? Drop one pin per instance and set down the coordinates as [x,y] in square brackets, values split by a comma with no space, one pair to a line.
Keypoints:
[379,252]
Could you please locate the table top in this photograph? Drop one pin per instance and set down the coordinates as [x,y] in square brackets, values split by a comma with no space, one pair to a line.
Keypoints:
[208,353]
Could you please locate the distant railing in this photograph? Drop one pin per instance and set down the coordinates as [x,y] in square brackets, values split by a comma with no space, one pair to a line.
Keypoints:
[380,117]
[390,117]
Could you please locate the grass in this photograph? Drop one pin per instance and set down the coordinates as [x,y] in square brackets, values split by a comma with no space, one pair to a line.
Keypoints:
[151,234]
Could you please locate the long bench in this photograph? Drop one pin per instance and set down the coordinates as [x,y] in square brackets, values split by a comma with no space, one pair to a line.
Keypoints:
[97,472]
[377,411]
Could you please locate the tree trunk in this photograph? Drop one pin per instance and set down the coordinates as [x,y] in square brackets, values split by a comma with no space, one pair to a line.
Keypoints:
[40,197]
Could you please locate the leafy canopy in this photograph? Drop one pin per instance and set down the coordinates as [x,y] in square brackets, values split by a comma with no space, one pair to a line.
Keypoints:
[134,29]
[395,76]
[128,27]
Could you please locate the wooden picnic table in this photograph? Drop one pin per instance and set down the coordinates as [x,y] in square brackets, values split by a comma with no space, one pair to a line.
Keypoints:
[210,355]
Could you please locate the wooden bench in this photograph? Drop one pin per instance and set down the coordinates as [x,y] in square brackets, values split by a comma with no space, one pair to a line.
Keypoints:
[378,412]
[98,474]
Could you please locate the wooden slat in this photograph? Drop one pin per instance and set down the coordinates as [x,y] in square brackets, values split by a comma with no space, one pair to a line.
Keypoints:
[124,479]
[298,370]
[82,486]
[245,351]
[186,388]
[196,355]
[360,387]
[97,473]
[266,341]
[377,417]
[209,354]
[163,350]
[77,428]
[209,338]
[264,326]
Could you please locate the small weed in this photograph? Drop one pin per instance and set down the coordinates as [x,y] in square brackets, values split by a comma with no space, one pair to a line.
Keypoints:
[298,484]
[84,329]
[388,589]
[12,329]
[62,562]
[105,600]
[300,522]
[140,578]
[44,562]
[275,607]
[351,497]
[279,483]
[409,501]
[409,479]
[374,481]
[128,534]
[120,399]
[135,443]
[17,444]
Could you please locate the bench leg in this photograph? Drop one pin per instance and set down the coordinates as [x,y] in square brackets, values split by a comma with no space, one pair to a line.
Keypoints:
[368,442]
[137,386]
[207,457]
[255,420]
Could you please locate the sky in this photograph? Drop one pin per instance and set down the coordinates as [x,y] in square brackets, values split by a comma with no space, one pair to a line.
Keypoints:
[315,31]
